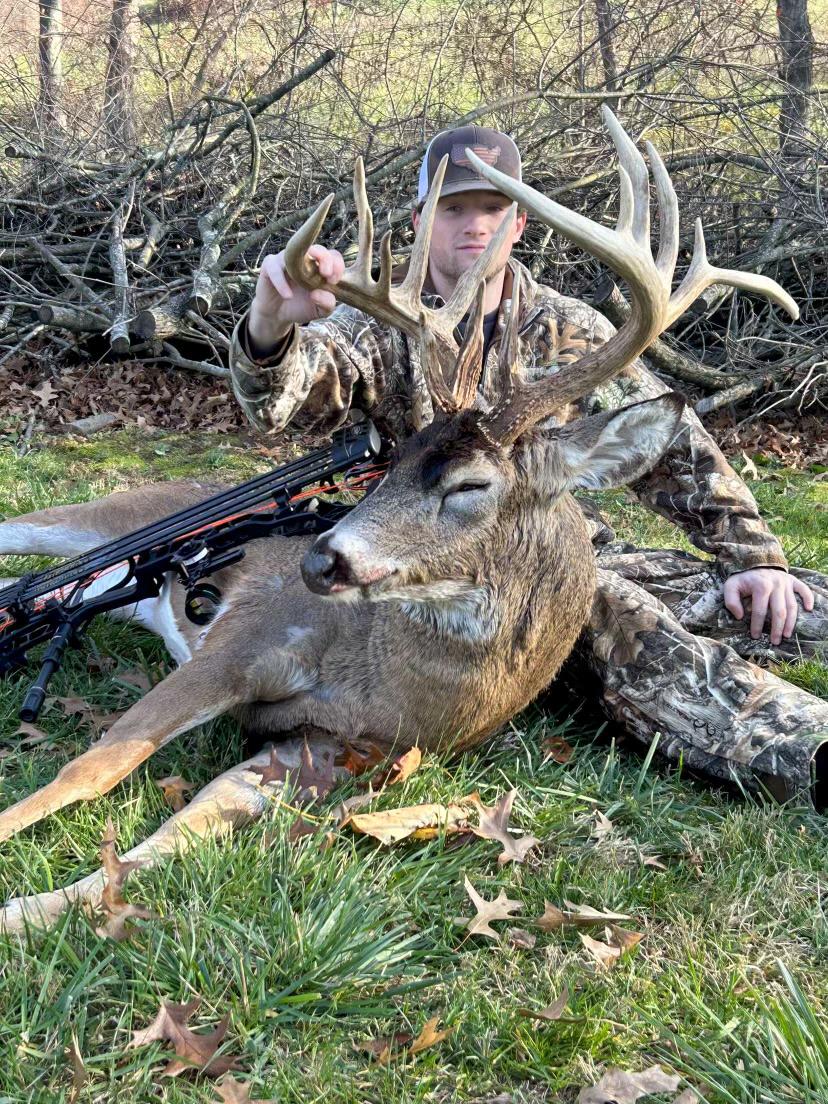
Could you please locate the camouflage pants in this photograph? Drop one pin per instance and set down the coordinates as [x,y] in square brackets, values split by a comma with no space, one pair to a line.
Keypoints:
[673,663]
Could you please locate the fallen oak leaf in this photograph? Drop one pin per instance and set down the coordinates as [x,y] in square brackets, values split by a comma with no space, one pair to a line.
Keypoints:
[412,821]
[32,735]
[619,942]
[624,939]
[618,1087]
[79,1072]
[232,1091]
[313,780]
[115,910]
[403,766]
[557,750]
[139,679]
[499,909]
[578,916]
[358,801]
[494,824]
[71,706]
[380,1049]
[356,763]
[429,1036]
[553,1012]
[193,1051]
[603,826]
[174,787]
[518,937]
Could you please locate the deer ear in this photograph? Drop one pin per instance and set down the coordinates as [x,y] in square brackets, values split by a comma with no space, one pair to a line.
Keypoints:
[609,450]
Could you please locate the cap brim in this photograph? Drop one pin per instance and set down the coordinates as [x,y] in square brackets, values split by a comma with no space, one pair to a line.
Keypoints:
[455,186]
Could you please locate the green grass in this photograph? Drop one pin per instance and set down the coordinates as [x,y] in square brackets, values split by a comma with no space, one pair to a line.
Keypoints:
[311,952]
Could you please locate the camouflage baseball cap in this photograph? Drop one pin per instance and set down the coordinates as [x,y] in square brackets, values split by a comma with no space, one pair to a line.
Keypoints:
[491,146]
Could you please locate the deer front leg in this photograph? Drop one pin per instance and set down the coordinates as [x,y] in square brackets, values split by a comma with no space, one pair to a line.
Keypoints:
[204,688]
[234,798]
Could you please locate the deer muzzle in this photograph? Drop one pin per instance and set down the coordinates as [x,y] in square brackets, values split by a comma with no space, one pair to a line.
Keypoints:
[329,569]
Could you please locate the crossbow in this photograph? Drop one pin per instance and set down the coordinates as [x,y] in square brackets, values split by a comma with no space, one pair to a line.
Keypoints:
[58,603]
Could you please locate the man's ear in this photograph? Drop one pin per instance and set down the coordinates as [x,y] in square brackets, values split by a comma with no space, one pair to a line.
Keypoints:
[415,220]
[610,450]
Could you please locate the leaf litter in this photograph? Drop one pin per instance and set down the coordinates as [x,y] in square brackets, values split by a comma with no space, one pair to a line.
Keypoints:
[115,911]
[196,1052]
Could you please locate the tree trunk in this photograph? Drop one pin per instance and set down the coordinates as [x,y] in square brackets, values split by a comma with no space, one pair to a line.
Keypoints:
[796,62]
[119,92]
[603,17]
[52,117]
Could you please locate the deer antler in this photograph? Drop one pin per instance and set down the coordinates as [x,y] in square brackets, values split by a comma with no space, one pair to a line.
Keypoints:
[626,250]
[400,306]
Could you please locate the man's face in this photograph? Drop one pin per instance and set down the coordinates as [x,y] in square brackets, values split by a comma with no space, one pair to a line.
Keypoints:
[463,226]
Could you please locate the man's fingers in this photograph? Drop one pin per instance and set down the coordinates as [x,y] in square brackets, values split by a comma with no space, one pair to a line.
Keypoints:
[793,611]
[732,599]
[804,592]
[275,272]
[758,611]
[328,261]
[779,614]
[324,300]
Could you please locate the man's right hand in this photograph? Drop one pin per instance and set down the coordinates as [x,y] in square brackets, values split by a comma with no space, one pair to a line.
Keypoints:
[278,304]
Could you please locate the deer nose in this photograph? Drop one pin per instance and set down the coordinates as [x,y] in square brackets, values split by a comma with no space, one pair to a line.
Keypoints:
[323,567]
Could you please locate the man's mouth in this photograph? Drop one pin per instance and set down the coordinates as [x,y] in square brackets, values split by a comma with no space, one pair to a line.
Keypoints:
[472,248]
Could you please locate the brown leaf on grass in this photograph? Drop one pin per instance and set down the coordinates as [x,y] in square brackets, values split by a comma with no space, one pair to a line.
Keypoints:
[313,780]
[232,1091]
[194,1052]
[79,1074]
[494,824]
[358,801]
[411,822]
[380,1049]
[114,910]
[429,1036]
[71,706]
[354,761]
[33,735]
[619,942]
[553,1012]
[136,678]
[403,767]
[653,860]
[102,664]
[518,937]
[579,916]
[557,749]
[618,1087]
[103,721]
[487,911]
[603,826]
[174,787]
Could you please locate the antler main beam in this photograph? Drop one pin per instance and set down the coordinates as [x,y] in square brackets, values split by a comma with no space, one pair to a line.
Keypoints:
[626,250]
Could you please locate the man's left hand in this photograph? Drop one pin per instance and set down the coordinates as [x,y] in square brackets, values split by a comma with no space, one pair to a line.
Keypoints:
[770,592]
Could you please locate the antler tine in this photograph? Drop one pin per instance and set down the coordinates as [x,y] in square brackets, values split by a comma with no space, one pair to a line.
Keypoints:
[483,268]
[470,357]
[668,216]
[297,264]
[701,274]
[508,353]
[412,286]
[441,394]
[362,265]
[636,193]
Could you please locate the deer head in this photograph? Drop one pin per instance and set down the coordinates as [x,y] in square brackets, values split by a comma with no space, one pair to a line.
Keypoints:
[459,489]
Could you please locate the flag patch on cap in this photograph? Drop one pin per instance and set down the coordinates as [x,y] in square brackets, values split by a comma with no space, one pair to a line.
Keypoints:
[485,153]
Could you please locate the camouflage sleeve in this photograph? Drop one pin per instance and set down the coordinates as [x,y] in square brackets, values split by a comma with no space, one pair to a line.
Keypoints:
[693,485]
[312,381]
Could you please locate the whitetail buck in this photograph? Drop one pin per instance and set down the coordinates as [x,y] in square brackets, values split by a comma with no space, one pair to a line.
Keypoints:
[447,599]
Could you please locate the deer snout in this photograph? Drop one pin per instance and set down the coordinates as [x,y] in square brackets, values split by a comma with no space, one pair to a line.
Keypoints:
[324,569]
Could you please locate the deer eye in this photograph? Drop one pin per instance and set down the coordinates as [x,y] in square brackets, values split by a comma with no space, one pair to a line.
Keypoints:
[464,487]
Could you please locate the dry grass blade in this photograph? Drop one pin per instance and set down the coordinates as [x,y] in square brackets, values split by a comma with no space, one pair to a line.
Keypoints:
[79,1073]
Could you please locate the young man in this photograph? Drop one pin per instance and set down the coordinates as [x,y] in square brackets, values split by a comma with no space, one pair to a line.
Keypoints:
[670,633]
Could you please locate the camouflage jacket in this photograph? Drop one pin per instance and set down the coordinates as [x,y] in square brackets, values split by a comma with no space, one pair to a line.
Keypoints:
[351,359]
